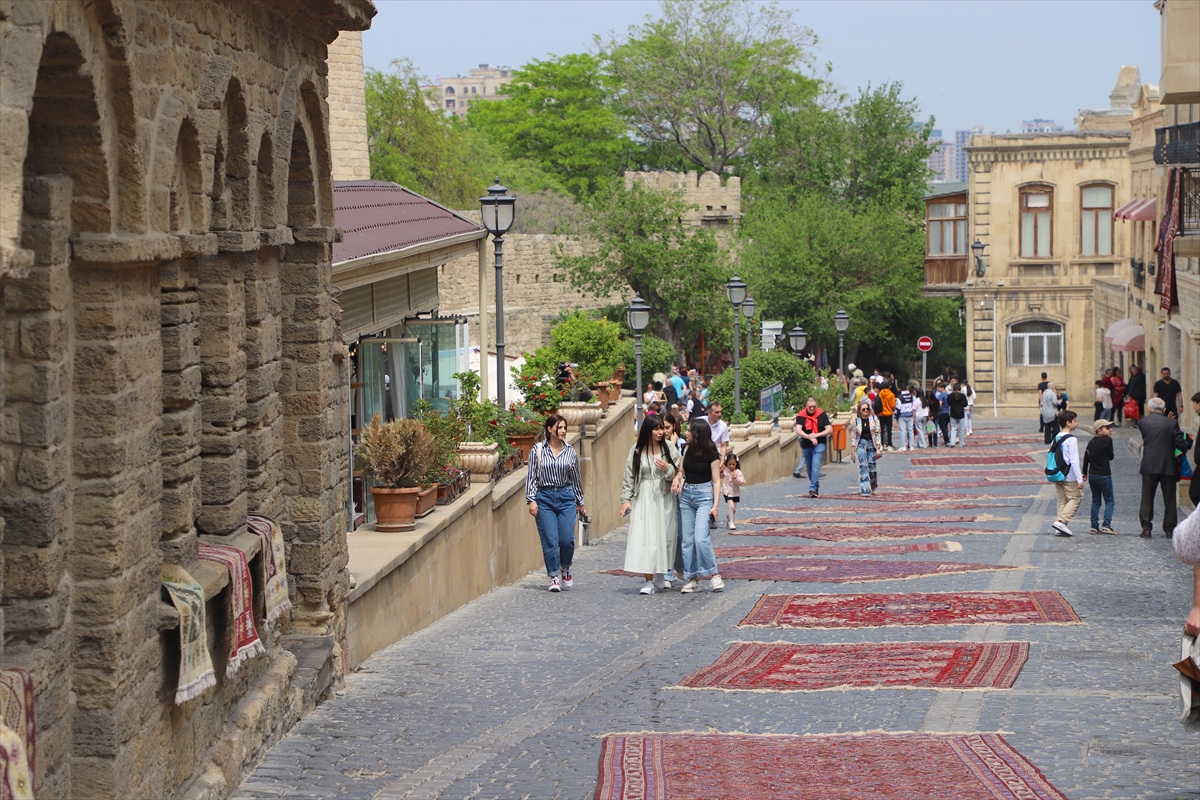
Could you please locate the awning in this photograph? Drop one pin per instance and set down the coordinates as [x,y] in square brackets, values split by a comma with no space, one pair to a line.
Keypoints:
[1117,327]
[1130,339]
[1137,210]
[1123,210]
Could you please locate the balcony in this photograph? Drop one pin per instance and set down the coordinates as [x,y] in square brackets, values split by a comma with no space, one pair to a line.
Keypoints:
[945,277]
[1177,144]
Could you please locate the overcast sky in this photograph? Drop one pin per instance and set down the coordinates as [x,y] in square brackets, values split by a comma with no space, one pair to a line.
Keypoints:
[992,63]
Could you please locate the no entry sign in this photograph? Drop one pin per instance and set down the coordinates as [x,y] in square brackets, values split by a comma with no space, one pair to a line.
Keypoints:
[924,344]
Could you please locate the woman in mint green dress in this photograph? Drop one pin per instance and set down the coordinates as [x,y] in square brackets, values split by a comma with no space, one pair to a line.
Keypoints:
[646,497]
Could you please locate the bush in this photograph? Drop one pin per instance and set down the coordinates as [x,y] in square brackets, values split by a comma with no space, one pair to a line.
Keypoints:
[593,344]
[762,369]
[396,455]
[657,356]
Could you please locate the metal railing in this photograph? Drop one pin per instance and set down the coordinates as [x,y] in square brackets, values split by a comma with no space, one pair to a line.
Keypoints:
[1189,204]
[1177,144]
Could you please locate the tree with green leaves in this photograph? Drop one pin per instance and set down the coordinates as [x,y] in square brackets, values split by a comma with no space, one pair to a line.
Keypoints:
[558,114]
[706,79]
[644,246]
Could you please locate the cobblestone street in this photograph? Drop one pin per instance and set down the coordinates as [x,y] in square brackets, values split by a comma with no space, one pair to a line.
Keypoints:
[507,697]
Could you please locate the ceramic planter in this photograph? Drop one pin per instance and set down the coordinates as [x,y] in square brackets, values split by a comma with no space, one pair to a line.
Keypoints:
[478,458]
[739,433]
[395,509]
[762,428]
[572,412]
[602,394]
[787,423]
[427,500]
[591,413]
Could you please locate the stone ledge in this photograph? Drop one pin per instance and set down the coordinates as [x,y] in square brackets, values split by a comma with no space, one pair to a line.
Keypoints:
[275,237]
[319,234]
[126,249]
[238,241]
[15,260]
[212,577]
[198,244]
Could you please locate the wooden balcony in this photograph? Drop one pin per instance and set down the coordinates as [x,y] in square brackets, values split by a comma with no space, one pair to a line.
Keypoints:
[944,277]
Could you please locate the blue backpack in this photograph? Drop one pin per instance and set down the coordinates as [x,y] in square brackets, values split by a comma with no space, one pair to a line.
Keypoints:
[1057,467]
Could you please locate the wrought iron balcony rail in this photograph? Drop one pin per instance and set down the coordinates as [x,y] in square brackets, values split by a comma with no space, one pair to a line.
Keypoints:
[1177,144]
[1189,205]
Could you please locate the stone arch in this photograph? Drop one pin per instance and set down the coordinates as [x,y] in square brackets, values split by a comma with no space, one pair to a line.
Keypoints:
[301,187]
[186,187]
[264,185]
[179,182]
[231,189]
[301,104]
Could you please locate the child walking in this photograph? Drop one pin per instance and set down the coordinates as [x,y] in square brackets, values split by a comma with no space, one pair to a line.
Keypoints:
[732,481]
[1070,487]
[1097,471]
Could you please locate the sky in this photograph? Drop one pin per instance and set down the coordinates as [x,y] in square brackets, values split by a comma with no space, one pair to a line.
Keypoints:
[967,62]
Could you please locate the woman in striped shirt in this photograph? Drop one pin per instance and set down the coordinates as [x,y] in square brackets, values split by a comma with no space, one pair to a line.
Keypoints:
[554,491]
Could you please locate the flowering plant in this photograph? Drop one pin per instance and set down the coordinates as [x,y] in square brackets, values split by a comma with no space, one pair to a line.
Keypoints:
[542,393]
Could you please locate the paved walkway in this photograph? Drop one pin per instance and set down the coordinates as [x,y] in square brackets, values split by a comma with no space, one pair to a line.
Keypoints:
[506,698]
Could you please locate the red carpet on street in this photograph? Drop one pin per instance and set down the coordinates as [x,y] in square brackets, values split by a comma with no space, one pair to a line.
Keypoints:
[787,667]
[832,570]
[833,519]
[964,460]
[751,550]
[863,533]
[899,498]
[868,766]
[991,474]
[917,608]
[861,510]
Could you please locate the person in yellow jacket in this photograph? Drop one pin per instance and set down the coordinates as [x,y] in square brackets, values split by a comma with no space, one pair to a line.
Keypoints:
[887,401]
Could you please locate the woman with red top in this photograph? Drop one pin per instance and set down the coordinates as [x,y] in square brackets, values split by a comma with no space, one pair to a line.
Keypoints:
[1118,394]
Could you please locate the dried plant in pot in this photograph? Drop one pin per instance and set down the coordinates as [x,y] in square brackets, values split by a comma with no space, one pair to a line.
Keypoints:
[395,456]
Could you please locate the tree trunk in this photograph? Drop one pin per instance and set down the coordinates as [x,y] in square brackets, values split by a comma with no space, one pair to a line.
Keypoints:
[671,332]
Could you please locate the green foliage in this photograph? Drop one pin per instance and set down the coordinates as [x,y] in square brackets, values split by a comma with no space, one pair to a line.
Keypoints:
[558,114]
[536,378]
[644,246]
[657,356]
[740,418]
[704,80]
[447,431]
[396,454]
[760,370]
[829,397]
[595,345]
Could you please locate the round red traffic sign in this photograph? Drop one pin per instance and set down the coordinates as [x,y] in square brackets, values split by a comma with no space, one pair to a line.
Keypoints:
[924,344]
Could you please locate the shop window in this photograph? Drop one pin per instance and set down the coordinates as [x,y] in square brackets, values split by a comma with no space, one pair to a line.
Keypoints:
[1036,343]
[1037,219]
[1095,221]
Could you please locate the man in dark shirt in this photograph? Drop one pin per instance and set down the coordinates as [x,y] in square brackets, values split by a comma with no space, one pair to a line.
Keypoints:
[1041,388]
[813,428]
[1097,471]
[957,401]
[1136,389]
[1170,391]
[1161,438]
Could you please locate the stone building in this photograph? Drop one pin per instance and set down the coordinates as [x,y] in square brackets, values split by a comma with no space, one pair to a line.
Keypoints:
[170,361]
[455,95]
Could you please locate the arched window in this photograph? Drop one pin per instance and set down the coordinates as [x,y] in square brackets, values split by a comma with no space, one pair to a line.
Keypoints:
[1036,343]
[1095,220]
[1037,219]
[472,90]
[449,90]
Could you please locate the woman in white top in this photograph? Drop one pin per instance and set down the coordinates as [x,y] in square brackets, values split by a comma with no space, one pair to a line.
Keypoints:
[647,500]
[920,417]
[970,393]
[1070,489]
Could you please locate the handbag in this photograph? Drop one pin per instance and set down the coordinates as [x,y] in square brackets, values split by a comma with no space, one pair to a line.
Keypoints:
[1131,409]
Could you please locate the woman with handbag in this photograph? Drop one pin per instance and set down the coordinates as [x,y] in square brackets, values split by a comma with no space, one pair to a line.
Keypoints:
[647,500]
[866,446]
[554,494]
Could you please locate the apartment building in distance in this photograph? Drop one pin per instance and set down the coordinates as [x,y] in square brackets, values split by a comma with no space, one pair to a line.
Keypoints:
[455,95]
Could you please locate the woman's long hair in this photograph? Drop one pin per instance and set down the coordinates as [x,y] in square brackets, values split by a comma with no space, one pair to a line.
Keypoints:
[702,444]
[645,442]
[549,424]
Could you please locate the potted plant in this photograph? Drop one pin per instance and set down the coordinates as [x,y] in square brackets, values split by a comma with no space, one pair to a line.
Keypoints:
[537,382]
[739,427]
[478,455]
[395,456]
[787,420]
[762,424]
[522,428]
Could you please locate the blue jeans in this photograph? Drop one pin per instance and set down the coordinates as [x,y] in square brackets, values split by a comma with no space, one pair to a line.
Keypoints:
[1101,486]
[695,501]
[811,459]
[866,465]
[958,436]
[906,432]
[556,527]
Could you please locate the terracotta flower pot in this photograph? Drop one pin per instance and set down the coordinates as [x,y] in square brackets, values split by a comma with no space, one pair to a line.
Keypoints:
[427,500]
[478,458]
[524,444]
[395,509]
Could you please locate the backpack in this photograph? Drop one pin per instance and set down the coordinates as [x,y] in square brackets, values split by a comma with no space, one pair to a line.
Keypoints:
[1057,466]
[877,404]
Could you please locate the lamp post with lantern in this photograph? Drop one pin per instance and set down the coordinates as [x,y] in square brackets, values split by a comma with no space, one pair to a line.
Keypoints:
[798,339]
[841,321]
[637,314]
[748,308]
[497,209]
[735,289]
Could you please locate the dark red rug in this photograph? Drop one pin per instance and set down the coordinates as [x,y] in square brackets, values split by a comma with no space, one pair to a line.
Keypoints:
[862,533]
[751,550]
[986,460]
[916,608]
[867,519]
[944,483]
[859,508]
[787,667]
[932,473]
[834,570]
[866,766]
[909,497]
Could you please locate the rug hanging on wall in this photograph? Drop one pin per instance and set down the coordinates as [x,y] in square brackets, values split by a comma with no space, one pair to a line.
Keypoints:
[916,608]
[863,533]
[753,550]
[940,461]
[868,766]
[834,519]
[787,667]
[833,570]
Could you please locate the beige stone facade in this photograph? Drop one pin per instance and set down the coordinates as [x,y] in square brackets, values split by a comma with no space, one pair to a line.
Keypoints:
[348,109]
[455,95]
[169,362]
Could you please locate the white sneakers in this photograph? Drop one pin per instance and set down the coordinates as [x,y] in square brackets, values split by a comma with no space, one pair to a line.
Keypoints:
[660,583]
[690,586]
[1060,528]
[716,584]
[731,527]
[648,588]
[555,584]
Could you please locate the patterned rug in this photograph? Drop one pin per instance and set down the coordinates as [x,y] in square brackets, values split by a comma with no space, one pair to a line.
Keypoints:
[832,570]
[866,766]
[751,550]
[917,608]
[894,507]
[788,667]
[878,519]
[905,497]
[929,482]
[861,533]
[925,473]
[961,460]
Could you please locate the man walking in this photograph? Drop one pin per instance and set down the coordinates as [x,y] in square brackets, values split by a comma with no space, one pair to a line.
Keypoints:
[1049,412]
[812,426]
[958,414]
[1136,389]
[887,406]
[1041,389]
[720,429]
[1171,393]
[1161,437]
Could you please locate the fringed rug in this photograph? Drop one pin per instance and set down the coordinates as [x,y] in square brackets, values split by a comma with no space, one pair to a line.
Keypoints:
[832,570]
[908,497]
[196,673]
[862,533]
[275,588]
[752,550]
[986,460]
[916,608]
[788,667]
[867,766]
[943,483]
[867,519]
[859,507]
[244,643]
[970,474]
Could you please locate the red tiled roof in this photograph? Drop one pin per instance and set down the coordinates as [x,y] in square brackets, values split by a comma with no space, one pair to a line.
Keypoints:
[380,216]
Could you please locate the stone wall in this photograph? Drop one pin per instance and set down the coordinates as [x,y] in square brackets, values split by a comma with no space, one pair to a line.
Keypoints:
[168,362]
[348,108]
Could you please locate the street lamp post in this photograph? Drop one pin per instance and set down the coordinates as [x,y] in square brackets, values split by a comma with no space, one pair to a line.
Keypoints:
[736,290]
[841,321]
[798,339]
[497,208]
[637,314]
[748,309]
[977,251]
